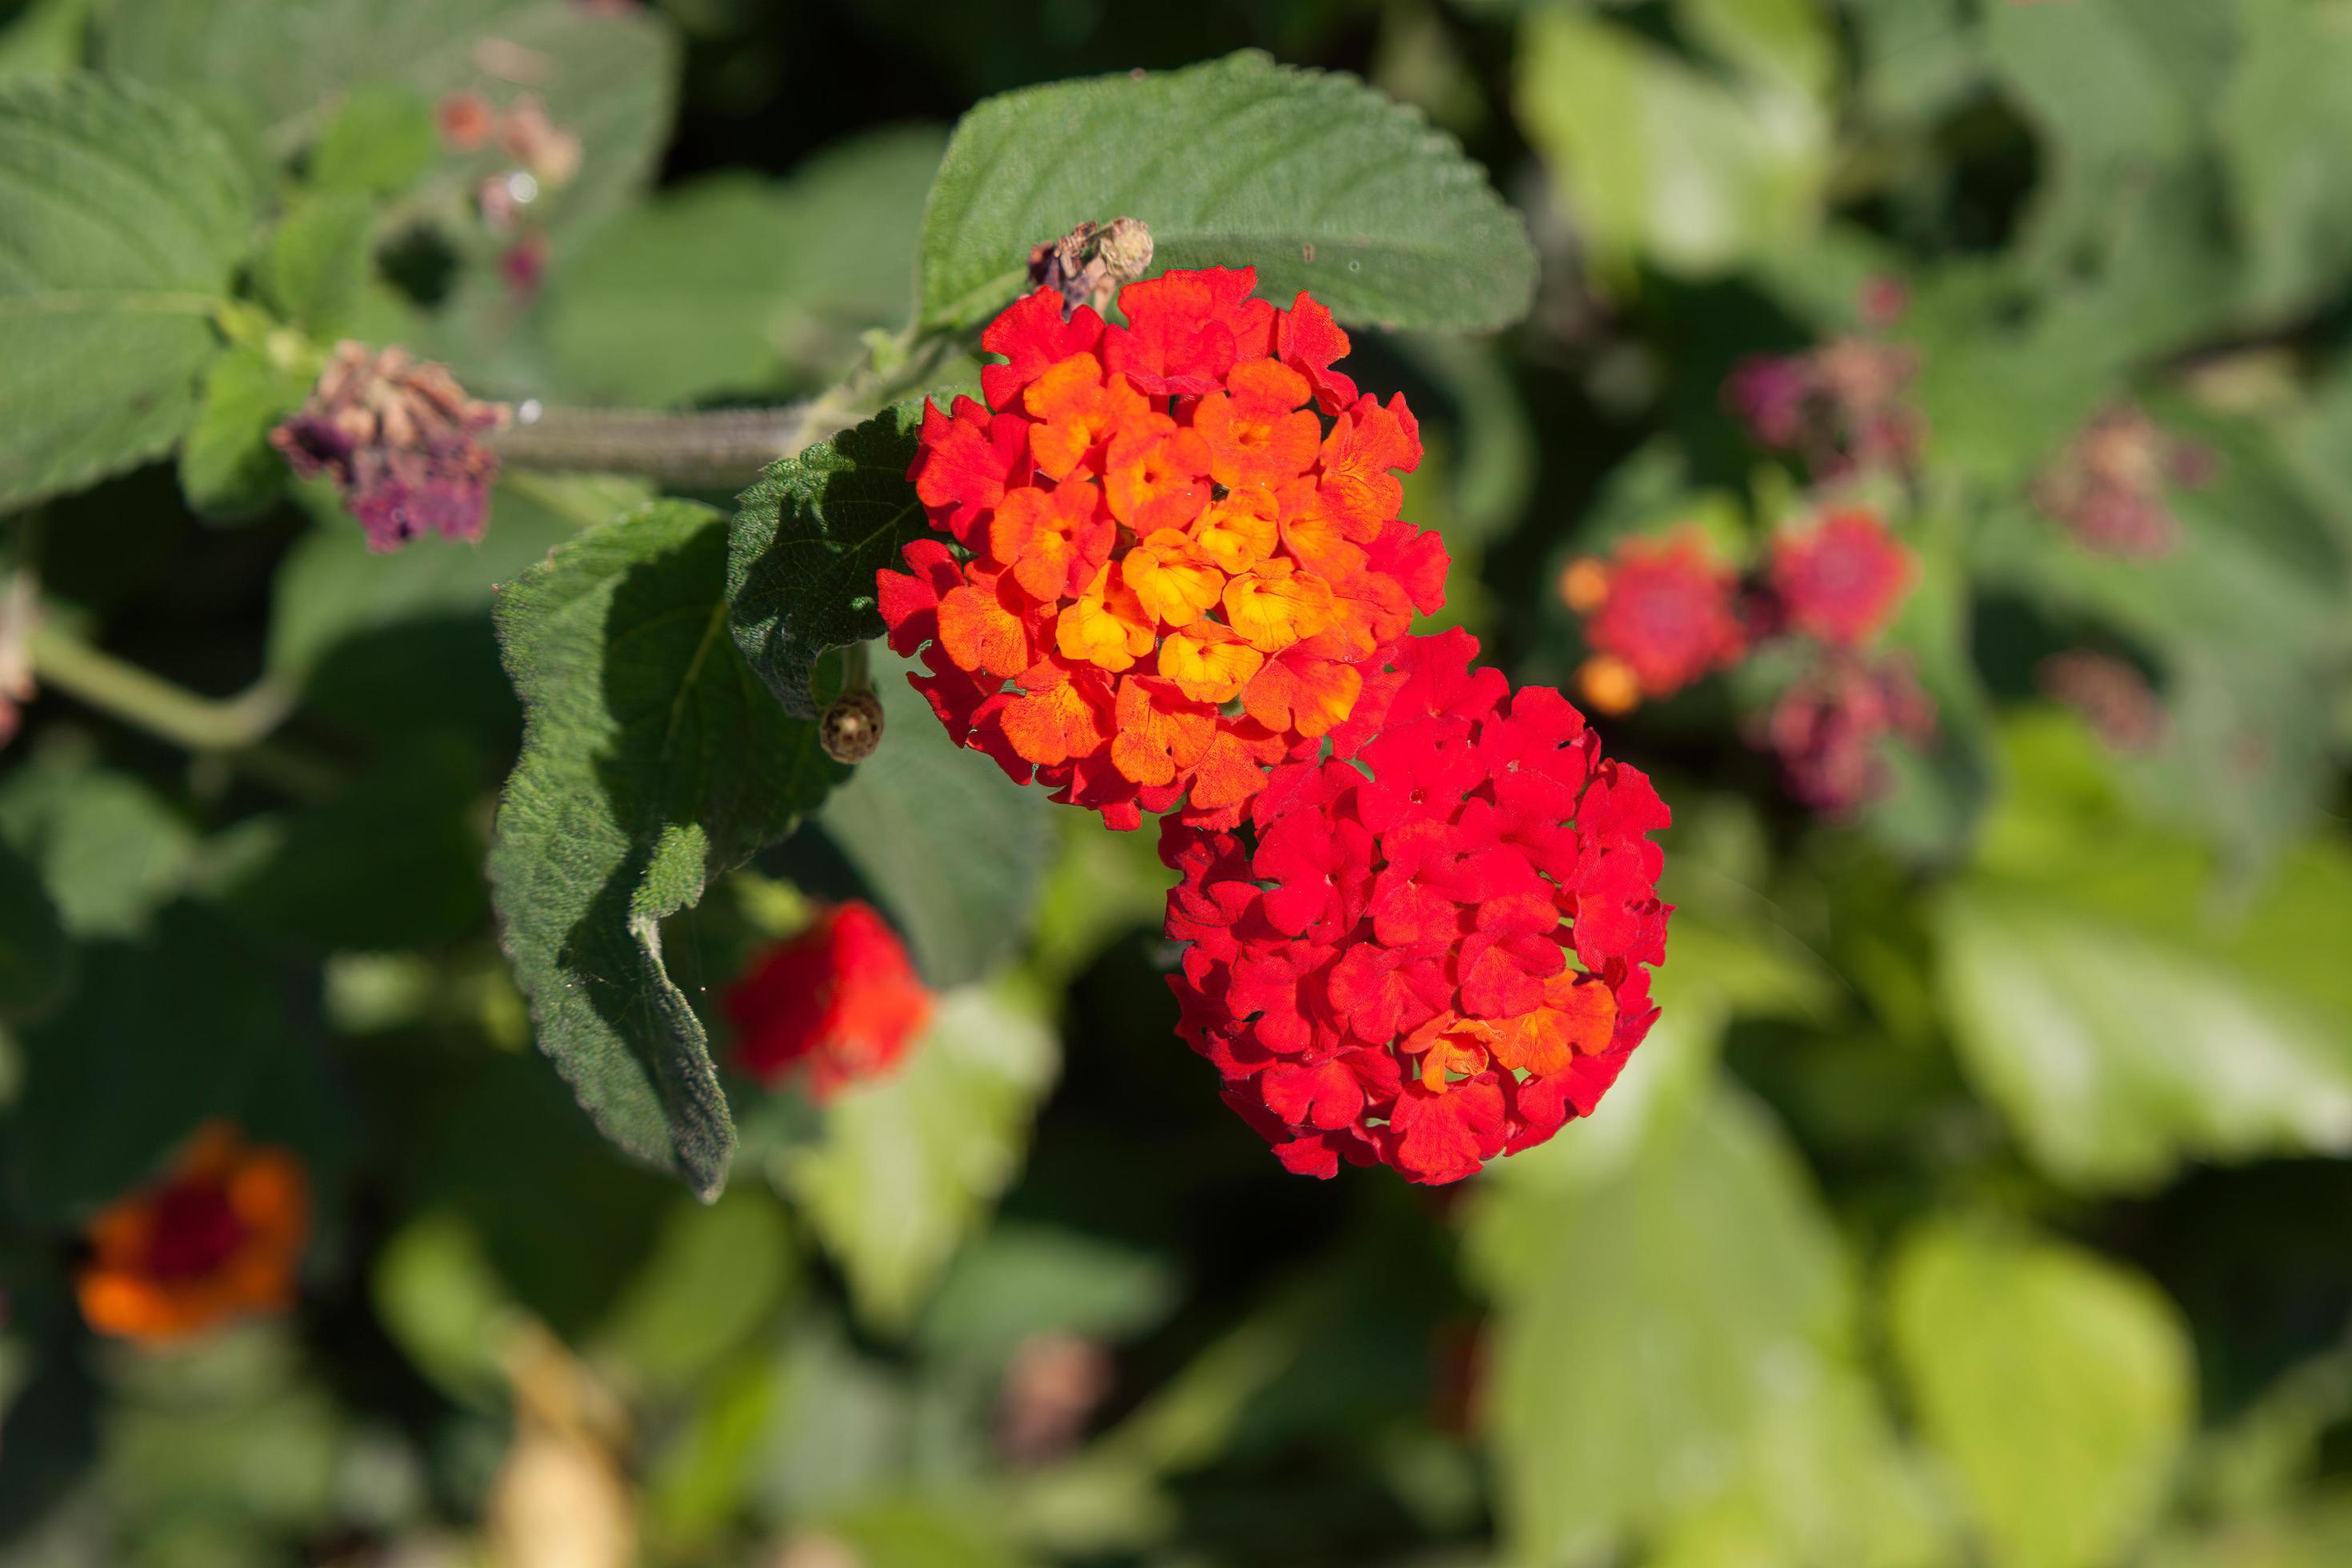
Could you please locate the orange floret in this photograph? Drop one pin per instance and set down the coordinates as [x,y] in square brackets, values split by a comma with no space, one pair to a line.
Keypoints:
[1275,604]
[1172,577]
[1053,541]
[1076,410]
[1106,626]
[1208,662]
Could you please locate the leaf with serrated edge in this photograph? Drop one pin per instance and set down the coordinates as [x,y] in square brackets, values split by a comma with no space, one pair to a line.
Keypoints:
[123,216]
[1310,176]
[807,542]
[652,762]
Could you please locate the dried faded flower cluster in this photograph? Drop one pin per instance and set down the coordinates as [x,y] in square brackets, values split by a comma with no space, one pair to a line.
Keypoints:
[2109,484]
[1828,727]
[1839,408]
[218,1238]
[402,442]
[1435,957]
[2113,696]
[837,1005]
[1170,554]
[1661,614]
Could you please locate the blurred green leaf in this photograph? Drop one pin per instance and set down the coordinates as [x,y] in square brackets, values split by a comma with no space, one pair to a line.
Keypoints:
[1660,159]
[438,1296]
[227,466]
[652,762]
[123,216]
[2281,118]
[1022,1280]
[35,960]
[333,589]
[161,1033]
[806,543]
[716,1273]
[954,852]
[1677,1338]
[316,261]
[2058,1386]
[378,143]
[44,38]
[391,861]
[1377,215]
[906,1167]
[2118,1016]
[733,284]
[109,850]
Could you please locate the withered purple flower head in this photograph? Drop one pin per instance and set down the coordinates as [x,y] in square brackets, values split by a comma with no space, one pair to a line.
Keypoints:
[401,440]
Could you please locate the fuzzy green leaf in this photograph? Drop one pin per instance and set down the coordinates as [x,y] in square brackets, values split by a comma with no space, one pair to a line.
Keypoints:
[807,542]
[1310,176]
[1694,1309]
[652,762]
[2059,1387]
[377,144]
[123,216]
[907,1166]
[316,262]
[227,466]
[951,849]
[735,283]
[36,960]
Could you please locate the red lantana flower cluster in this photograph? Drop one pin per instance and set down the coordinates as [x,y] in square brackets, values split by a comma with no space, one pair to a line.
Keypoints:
[1170,556]
[1662,614]
[1434,954]
[837,1005]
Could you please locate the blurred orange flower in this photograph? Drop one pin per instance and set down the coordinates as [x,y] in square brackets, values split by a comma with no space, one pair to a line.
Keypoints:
[218,1238]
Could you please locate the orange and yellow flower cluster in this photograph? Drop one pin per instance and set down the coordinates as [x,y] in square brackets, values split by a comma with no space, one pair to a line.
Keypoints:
[1171,555]
[219,1238]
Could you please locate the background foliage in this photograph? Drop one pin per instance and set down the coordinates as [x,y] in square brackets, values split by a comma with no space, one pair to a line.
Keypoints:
[1978,1199]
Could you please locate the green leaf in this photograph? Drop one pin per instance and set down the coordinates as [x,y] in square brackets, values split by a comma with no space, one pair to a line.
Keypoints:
[2120,1013]
[652,762]
[1693,1312]
[907,1167]
[1662,160]
[36,960]
[161,1033]
[806,543]
[109,850]
[1023,1279]
[2059,1387]
[1309,176]
[227,467]
[378,143]
[44,38]
[123,216]
[316,262]
[954,850]
[734,283]
[2282,121]
[716,1275]
[333,590]
[391,861]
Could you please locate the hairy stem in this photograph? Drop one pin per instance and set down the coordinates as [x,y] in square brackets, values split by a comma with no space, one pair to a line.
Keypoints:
[722,448]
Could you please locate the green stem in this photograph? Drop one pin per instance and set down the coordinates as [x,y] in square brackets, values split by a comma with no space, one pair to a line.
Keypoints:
[129,693]
[232,727]
[720,448]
